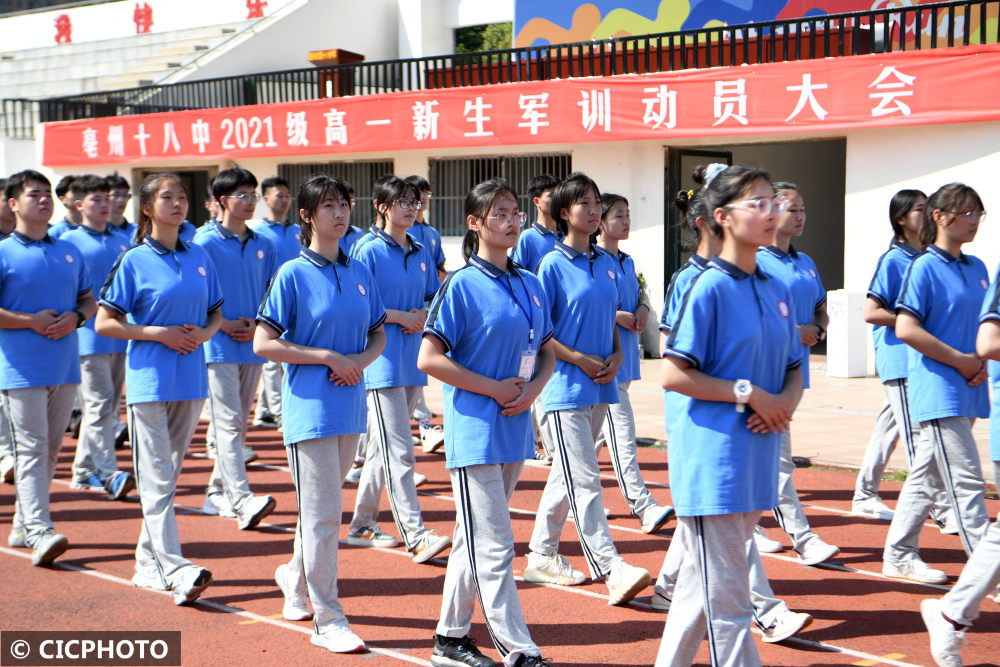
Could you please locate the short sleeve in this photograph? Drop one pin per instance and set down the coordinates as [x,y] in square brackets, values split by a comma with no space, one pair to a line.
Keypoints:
[433,281]
[278,308]
[83,277]
[447,317]
[214,287]
[991,302]
[693,328]
[548,276]
[546,326]
[375,306]
[885,283]
[436,248]
[915,296]
[118,292]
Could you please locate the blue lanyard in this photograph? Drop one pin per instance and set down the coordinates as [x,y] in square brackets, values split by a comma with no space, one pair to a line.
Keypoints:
[527,312]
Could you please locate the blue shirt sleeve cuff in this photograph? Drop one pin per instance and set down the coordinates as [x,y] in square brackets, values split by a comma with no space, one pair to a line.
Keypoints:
[271,323]
[113,306]
[906,309]
[683,355]
[878,297]
[440,336]
[377,324]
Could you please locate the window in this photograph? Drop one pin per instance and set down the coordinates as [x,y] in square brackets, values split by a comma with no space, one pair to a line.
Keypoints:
[360,174]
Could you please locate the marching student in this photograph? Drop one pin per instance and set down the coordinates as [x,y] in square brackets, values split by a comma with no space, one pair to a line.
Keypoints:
[163,296]
[286,238]
[353,232]
[45,297]
[72,219]
[322,317]
[406,279]
[797,270]
[937,313]
[95,466]
[630,321]
[723,459]
[494,357]
[249,261]
[580,283]
[6,453]
[120,196]
[538,239]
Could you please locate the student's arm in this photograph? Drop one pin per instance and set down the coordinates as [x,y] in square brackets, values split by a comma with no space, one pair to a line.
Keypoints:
[878,314]
[240,329]
[373,348]
[113,324]
[988,340]
[212,323]
[910,331]
[67,322]
[612,363]
[432,360]
[625,319]
[545,363]
[591,364]
[266,343]
[409,320]
[809,333]
[641,316]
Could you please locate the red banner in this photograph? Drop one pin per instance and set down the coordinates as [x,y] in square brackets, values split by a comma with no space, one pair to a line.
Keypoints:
[884,90]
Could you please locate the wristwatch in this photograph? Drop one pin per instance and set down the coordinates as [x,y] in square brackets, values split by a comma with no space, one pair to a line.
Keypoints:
[822,333]
[742,390]
[81,319]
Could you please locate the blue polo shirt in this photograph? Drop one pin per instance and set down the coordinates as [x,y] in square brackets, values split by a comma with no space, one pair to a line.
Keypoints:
[429,238]
[127,229]
[3,236]
[628,294]
[733,326]
[946,295]
[39,275]
[798,271]
[405,280]
[890,352]
[61,227]
[991,311]
[330,305]
[583,297]
[245,269]
[155,286]
[534,243]
[99,250]
[487,317]
[680,282]
[351,238]
[286,239]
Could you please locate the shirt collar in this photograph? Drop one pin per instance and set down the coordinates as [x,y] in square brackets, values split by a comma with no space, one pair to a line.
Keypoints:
[542,229]
[781,254]
[734,271]
[161,249]
[27,240]
[698,261]
[226,234]
[945,257]
[489,269]
[321,261]
[108,231]
[380,233]
[122,227]
[905,248]
[571,254]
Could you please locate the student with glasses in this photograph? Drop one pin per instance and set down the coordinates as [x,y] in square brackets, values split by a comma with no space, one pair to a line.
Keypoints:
[406,279]
[937,315]
[120,197]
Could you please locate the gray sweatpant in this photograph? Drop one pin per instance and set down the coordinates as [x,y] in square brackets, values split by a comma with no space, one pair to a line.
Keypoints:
[979,577]
[100,394]
[713,593]
[37,418]
[161,432]
[318,469]
[574,484]
[230,392]
[619,434]
[481,563]
[389,464]
[269,395]
[945,454]
[788,512]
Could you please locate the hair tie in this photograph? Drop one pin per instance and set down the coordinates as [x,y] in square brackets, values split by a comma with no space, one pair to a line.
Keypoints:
[714,170]
[690,194]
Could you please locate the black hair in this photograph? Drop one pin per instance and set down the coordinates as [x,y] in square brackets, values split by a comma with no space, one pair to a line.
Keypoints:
[228,180]
[899,207]
[728,186]
[540,183]
[691,204]
[949,199]
[391,190]
[147,193]
[16,182]
[311,194]
[347,184]
[377,192]
[272,182]
[64,184]
[478,203]
[419,181]
[84,185]
[571,190]
[607,201]
[117,182]
[785,185]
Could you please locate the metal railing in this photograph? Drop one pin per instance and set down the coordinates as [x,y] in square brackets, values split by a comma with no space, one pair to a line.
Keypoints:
[897,29]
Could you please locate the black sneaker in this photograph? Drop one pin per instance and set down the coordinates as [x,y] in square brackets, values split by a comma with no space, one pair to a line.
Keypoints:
[532,661]
[458,652]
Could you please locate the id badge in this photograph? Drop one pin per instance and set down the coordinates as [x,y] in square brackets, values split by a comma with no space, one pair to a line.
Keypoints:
[527,367]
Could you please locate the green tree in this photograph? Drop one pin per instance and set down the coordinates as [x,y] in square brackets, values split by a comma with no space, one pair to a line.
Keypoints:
[488,37]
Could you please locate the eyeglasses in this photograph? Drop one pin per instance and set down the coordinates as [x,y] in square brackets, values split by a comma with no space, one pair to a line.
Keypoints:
[760,206]
[505,218]
[406,204]
[246,197]
[972,216]
[785,206]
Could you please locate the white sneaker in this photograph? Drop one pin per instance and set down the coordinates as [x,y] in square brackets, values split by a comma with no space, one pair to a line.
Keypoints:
[339,640]
[551,570]
[873,507]
[817,551]
[216,504]
[419,479]
[659,602]
[431,437]
[16,539]
[656,517]
[253,510]
[370,536]
[765,544]
[624,581]
[354,474]
[192,582]
[249,455]
[148,579]
[788,624]
[295,608]
[914,569]
[48,547]
[7,469]
[946,641]
[430,545]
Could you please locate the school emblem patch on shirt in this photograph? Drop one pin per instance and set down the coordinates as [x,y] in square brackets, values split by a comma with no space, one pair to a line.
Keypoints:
[812,273]
[260,254]
[423,267]
[982,281]
[121,246]
[202,272]
[434,241]
[534,297]
[783,309]
[611,274]
[69,258]
[361,289]
[297,237]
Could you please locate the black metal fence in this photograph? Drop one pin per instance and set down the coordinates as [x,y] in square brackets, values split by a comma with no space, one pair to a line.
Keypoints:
[909,28]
